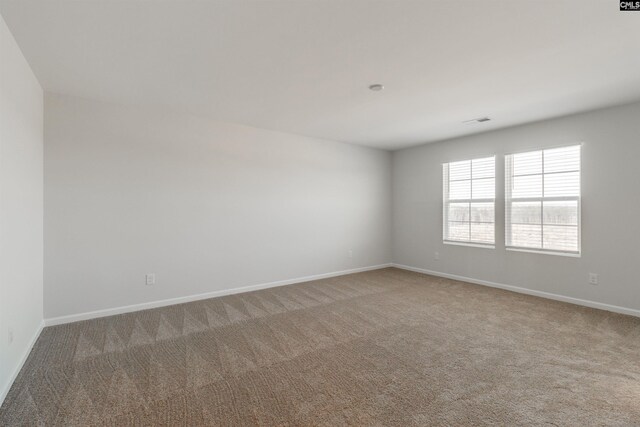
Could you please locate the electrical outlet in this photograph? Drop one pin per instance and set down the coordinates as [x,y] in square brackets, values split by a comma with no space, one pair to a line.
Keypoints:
[10,335]
[150,279]
[350,253]
[436,256]
[592,279]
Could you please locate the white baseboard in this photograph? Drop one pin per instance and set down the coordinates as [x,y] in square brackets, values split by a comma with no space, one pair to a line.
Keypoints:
[548,295]
[180,300]
[16,370]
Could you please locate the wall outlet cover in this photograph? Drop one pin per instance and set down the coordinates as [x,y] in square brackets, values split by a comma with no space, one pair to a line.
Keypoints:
[150,279]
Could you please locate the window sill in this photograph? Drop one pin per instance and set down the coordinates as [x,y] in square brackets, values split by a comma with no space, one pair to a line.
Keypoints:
[471,244]
[543,252]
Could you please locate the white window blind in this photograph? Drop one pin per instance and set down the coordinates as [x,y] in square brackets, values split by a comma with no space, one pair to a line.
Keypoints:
[469,201]
[542,195]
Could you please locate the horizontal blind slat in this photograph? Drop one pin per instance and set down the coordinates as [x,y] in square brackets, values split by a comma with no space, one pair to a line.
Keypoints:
[469,201]
[542,199]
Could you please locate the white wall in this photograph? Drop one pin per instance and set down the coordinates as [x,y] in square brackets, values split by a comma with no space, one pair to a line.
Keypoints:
[21,102]
[206,206]
[610,179]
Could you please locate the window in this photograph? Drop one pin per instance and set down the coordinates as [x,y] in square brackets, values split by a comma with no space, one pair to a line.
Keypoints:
[542,192]
[469,201]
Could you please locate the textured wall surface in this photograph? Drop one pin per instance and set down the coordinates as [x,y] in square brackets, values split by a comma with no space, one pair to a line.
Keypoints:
[206,206]
[21,244]
[610,203]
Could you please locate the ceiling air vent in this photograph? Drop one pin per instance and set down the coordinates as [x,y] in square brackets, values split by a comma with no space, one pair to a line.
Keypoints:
[478,120]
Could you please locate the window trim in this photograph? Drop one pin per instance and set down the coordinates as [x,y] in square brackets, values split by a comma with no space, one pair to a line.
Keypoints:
[446,201]
[544,251]
[473,245]
[508,177]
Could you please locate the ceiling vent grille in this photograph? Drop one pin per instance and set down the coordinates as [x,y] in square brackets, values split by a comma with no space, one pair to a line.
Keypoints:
[478,120]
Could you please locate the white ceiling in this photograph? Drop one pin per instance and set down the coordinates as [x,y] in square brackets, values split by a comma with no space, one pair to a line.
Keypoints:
[303,66]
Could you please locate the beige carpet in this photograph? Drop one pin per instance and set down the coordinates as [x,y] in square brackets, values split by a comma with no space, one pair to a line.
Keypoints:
[387,347]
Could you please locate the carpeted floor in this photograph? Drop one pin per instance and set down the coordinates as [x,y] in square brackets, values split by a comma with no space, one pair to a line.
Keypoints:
[387,347]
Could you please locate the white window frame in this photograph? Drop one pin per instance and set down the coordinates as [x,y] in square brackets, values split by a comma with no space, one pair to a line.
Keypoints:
[508,178]
[445,205]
